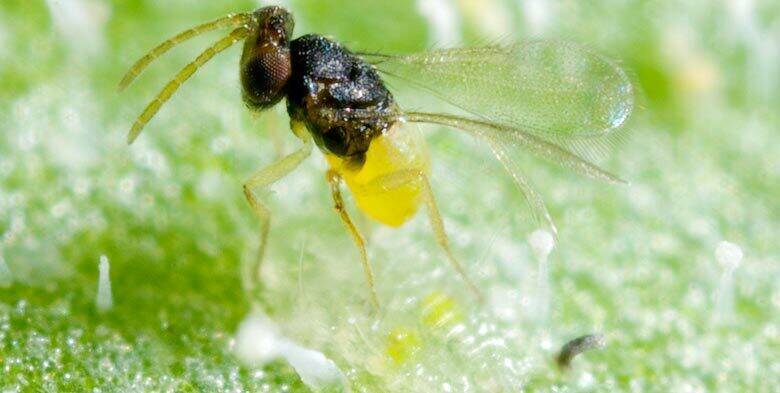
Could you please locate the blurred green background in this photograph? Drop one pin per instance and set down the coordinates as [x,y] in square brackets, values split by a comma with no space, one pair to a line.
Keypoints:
[634,262]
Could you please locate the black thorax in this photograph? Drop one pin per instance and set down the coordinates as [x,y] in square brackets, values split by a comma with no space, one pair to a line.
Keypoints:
[339,96]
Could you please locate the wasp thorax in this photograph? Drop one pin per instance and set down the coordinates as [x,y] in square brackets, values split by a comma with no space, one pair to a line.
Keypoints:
[265,62]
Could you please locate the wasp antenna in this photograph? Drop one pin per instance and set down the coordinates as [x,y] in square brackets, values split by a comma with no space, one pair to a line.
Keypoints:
[159,50]
[185,73]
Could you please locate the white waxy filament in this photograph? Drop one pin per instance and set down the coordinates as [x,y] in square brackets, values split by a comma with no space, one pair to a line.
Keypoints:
[104,300]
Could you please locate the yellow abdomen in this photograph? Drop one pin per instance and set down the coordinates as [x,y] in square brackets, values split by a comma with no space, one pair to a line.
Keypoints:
[400,149]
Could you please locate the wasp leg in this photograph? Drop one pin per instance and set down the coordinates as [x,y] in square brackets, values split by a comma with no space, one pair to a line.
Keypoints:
[270,121]
[403,177]
[532,198]
[264,178]
[334,180]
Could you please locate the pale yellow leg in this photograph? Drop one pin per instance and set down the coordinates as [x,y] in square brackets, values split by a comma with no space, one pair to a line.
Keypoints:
[334,180]
[368,226]
[264,178]
[272,121]
[401,178]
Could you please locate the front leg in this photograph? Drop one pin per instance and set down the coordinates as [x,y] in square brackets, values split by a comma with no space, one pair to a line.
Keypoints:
[334,180]
[264,178]
[400,178]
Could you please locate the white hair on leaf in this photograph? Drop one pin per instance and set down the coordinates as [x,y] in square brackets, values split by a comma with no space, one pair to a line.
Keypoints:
[542,243]
[729,257]
[104,300]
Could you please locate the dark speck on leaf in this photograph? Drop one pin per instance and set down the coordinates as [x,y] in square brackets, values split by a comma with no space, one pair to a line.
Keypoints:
[578,346]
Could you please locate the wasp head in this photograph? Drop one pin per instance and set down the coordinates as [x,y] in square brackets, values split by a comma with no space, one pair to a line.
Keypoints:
[265,62]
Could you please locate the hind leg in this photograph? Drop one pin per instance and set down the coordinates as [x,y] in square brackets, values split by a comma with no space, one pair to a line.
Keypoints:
[419,178]
[334,180]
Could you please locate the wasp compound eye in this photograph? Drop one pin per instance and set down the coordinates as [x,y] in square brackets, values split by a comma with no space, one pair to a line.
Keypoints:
[265,62]
[264,76]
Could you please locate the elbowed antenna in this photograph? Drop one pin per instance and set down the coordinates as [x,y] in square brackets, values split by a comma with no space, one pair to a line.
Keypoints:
[185,73]
[230,20]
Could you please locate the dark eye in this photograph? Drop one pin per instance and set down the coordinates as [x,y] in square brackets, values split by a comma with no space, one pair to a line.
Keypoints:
[335,140]
[264,76]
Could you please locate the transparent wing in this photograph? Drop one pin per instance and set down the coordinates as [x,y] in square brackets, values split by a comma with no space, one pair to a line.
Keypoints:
[514,136]
[557,100]
[502,140]
[556,90]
